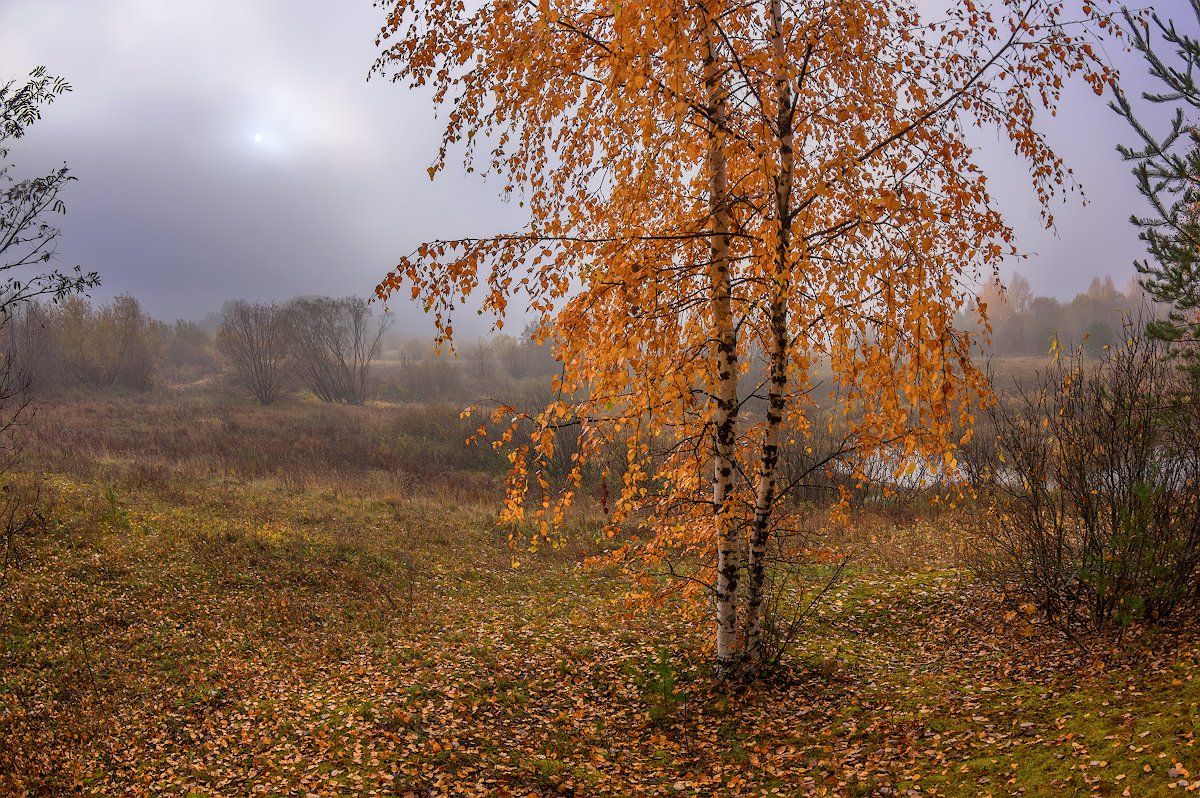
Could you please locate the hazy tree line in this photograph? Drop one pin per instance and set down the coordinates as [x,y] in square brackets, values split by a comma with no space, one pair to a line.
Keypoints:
[70,343]
[339,350]
[1025,324]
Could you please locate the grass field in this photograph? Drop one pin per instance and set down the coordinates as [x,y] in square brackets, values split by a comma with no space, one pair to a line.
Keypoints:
[314,601]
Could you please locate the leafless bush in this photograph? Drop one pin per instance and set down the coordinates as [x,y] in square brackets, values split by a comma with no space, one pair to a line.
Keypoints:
[31,346]
[256,340]
[1095,481]
[129,344]
[335,342]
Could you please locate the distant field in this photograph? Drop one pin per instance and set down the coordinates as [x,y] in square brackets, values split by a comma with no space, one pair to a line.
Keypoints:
[1010,372]
[313,600]
[202,432]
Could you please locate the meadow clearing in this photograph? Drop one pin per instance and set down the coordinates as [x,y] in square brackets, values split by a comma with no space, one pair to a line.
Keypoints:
[314,600]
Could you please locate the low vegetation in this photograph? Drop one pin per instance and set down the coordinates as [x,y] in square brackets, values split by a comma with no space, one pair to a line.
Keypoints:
[206,611]
[1094,515]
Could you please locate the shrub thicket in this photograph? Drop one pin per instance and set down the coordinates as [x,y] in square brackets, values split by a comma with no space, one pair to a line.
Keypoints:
[1095,478]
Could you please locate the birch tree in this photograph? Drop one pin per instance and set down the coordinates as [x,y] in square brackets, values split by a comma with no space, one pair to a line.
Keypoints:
[717,190]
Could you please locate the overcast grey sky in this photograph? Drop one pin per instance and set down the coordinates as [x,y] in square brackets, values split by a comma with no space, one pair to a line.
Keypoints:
[179,204]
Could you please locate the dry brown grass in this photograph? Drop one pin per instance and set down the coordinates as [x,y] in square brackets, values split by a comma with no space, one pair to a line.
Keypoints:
[207,433]
[879,541]
[315,600]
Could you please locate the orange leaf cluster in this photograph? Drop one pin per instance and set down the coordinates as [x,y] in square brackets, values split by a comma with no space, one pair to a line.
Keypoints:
[792,182]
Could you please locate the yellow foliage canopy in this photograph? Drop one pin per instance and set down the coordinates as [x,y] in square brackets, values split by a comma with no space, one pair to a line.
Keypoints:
[856,212]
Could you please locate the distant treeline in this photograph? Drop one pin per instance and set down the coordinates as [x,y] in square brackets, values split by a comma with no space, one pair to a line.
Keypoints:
[341,350]
[72,343]
[338,350]
[1024,324]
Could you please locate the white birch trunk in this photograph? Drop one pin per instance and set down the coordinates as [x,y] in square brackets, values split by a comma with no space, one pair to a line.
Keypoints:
[765,496]
[725,434]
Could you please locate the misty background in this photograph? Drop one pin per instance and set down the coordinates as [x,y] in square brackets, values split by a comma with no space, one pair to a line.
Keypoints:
[227,149]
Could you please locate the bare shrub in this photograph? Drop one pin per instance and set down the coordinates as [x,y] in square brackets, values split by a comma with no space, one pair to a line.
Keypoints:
[31,346]
[128,344]
[1095,483]
[790,597]
[255,339]
[336,341]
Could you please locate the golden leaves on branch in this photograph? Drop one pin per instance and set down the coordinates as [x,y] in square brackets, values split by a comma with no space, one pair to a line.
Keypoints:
[596,118]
